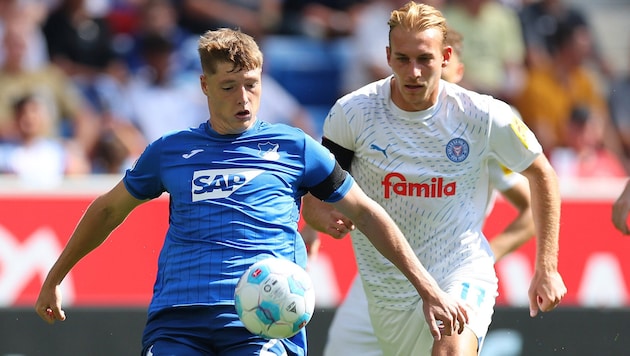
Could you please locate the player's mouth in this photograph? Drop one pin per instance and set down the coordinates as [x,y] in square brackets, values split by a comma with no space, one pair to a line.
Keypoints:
[415,86]
[243,115]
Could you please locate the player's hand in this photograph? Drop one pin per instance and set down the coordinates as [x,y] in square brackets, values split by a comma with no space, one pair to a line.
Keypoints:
[445,315]
[545,292]
[48,305]
[338,225]
[311,240]
[620,211]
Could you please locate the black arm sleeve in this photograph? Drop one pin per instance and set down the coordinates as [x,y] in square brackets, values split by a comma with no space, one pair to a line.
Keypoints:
[328,186]
[342,155]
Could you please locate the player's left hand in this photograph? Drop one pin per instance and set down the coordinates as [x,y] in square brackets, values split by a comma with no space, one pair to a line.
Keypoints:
[545,292]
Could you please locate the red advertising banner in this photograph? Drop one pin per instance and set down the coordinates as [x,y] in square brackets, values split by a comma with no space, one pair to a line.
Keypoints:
[34,228]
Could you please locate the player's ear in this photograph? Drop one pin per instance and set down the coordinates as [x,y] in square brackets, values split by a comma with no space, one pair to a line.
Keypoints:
[204,84]
[446,55]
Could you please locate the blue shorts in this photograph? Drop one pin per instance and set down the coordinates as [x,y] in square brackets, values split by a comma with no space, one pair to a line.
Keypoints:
[210,331]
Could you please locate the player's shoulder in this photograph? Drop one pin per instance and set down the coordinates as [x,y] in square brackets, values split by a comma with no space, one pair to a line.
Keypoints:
[278,128]
[470,102]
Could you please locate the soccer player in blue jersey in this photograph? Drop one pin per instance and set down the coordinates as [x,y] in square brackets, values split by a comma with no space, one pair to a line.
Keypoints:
[235,185]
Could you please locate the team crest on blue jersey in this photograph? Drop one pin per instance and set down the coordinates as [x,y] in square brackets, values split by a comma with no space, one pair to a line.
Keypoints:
[269,151]
[457,150]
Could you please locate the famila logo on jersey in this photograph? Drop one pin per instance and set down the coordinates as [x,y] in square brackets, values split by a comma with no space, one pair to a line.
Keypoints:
[435,188]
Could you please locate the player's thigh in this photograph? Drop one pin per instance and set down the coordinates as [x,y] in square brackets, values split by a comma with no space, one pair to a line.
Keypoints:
[464,344]
[480,295]
[402,332]
[168,347]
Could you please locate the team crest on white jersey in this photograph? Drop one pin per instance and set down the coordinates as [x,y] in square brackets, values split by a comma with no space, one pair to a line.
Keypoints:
[220,183]
[269,151]
[457,150]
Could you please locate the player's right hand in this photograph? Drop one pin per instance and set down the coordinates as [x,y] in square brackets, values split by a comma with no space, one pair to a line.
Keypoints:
[48,305]
[445,315]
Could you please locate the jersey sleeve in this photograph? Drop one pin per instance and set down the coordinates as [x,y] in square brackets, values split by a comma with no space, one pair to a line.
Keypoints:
[511,141]
[143,180]
[324,178]
[501,178]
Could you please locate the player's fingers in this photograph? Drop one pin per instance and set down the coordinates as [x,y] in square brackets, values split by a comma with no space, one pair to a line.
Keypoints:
[533,305]
[335,233]
[435,329]
[462,319]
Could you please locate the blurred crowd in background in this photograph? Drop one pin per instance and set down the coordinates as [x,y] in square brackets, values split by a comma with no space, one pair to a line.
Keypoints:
[85,85]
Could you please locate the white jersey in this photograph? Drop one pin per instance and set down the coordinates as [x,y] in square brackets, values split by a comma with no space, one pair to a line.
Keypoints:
[429,170]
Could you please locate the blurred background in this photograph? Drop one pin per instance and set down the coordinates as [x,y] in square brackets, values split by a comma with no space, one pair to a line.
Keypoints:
[86,84]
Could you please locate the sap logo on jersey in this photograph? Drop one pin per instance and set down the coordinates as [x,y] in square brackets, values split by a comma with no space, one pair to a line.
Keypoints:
[220,183]
[436,188]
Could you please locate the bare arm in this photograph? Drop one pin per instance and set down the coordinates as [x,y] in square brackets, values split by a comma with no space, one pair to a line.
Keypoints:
[323,217]
[522,228]
[101,218]
[547,287]
[380,229]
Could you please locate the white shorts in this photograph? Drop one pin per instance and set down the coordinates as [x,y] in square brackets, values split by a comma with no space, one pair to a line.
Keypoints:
[405,332]
[351,332]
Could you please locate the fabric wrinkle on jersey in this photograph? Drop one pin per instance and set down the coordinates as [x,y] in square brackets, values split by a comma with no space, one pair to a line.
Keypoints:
[242,192]
[428,169]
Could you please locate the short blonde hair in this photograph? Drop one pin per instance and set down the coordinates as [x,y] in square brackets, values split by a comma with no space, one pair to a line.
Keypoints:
[231,46]
[417,17]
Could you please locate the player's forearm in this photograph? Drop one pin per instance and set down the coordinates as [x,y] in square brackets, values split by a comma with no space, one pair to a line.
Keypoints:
[314,212]
[546,212]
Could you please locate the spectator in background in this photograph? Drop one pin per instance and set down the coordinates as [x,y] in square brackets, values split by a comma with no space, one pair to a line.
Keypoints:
[38,160]
[495,51]
[585,156]
[554,90]
[160,17]
[279,106]
[619,105]
[321,19]
[161,98]
[541,19]
[258,18]
[31,14]
[78,41]
[71,116]
[369,42]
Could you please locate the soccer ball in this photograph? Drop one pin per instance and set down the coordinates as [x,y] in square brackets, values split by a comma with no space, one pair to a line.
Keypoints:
[275,298]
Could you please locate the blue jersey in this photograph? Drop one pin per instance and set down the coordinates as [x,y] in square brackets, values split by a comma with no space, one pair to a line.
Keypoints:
[234,199]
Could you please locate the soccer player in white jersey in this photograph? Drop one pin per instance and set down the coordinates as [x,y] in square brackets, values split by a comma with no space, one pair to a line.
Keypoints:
[420,146]
[350,330]
[235,185]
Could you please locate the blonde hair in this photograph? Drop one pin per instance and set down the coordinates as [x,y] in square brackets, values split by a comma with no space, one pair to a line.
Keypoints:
[417,17]
[228,45]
